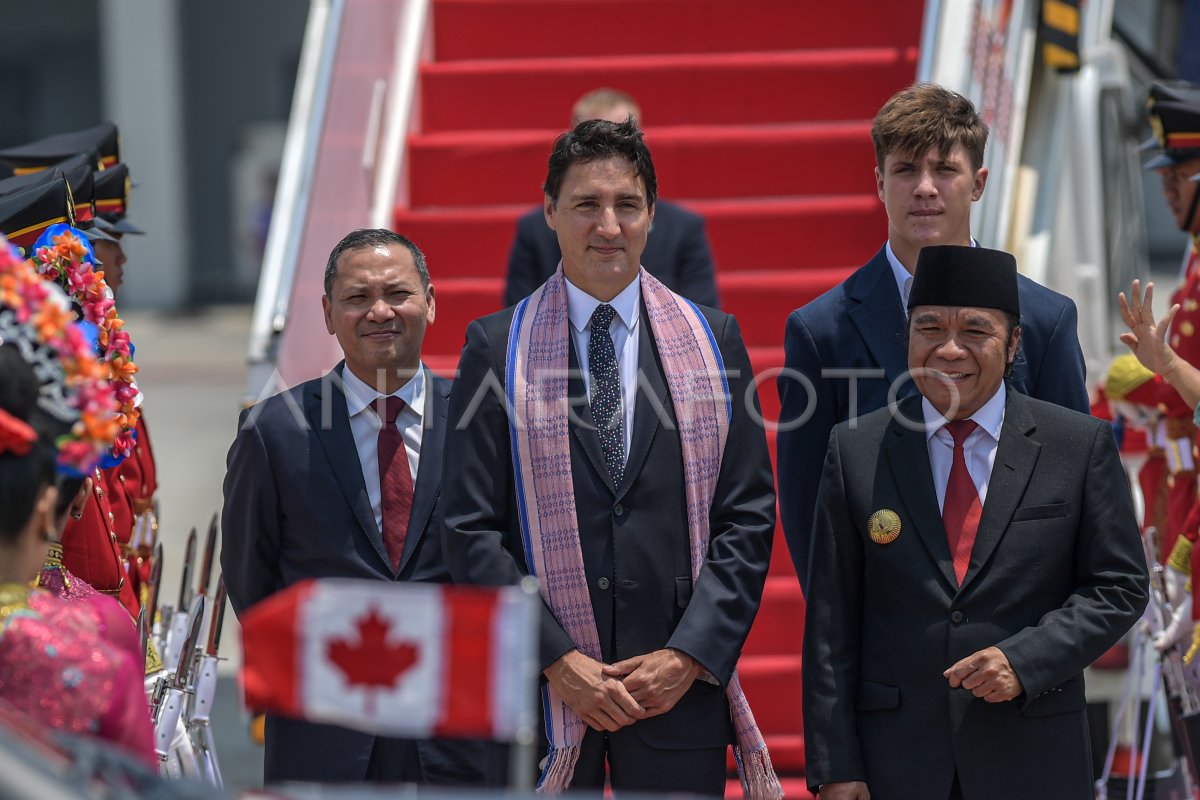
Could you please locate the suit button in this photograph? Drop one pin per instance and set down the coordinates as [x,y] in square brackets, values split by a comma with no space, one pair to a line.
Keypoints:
[618,510]
[602,583]
[957,617]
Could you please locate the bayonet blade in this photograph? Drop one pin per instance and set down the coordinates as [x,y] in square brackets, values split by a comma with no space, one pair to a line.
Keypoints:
[143,632]
[183,671]
[218,618]
[155,581]
[185,583]
[210,549]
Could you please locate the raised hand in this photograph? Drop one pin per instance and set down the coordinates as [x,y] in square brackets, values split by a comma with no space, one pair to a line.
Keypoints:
[1147,338]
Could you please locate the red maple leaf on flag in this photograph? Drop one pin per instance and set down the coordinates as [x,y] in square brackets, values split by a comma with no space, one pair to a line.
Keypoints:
[372,662]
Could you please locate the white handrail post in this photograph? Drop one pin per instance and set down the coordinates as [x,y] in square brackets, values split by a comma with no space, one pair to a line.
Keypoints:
[293,192]
[410,38]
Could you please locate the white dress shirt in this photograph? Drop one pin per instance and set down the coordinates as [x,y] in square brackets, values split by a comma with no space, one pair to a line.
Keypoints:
[624,332]
[365,422]
[979,450]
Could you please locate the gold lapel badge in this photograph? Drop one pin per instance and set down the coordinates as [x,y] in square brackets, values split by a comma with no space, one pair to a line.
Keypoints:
[884,526]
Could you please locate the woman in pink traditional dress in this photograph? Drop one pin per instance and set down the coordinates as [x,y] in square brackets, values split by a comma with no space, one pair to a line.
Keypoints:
[66,664]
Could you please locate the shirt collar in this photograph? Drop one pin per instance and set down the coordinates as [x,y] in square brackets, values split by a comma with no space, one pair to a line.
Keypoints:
[901,275]
[581,305]
[359,395]
[989,417]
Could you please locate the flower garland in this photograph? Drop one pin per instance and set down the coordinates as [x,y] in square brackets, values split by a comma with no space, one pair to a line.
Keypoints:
[36,317]
[62,256]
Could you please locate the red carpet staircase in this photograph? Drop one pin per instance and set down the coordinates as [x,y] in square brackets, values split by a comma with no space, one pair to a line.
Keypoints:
[757,114]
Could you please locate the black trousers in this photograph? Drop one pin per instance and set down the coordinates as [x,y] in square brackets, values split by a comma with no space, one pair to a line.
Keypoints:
[394,761]
[633,766]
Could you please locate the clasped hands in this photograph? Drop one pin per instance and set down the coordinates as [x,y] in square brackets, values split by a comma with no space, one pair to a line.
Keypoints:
[609,697]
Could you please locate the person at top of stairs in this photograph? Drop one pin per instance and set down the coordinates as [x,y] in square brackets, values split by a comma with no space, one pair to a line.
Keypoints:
[929,144]
[974,551]
[677,250]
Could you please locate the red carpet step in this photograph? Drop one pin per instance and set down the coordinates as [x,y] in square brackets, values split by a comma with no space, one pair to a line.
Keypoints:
[779,627]
[787,754]
[692,162]
[783,233]
[690,89]
[475,29]
[772,684]
[760,300]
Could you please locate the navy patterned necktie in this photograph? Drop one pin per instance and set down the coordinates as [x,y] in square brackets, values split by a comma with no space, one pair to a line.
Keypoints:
[606,391]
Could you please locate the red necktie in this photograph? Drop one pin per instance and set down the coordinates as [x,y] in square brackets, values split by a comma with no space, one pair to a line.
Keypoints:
[961,509]
[395,482]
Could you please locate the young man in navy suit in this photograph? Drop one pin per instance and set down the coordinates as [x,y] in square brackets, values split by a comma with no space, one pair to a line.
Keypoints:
[845,350]
[339,477]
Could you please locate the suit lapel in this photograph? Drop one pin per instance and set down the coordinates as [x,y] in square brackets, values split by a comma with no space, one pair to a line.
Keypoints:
[333,431]
[583,425]
[651,402]
[1016,457]
[878,316]
[908,458]
[429,470]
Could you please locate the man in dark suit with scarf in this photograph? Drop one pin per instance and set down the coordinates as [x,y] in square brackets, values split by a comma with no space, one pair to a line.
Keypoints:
[339,477]
[974,550]
[630,478]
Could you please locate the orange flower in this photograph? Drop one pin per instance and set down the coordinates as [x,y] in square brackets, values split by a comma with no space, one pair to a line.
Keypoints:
[50,319]
[123,368]
[105,429]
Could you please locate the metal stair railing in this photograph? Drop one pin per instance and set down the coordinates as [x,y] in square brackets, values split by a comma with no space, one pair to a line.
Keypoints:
[1062,192]
[342,169]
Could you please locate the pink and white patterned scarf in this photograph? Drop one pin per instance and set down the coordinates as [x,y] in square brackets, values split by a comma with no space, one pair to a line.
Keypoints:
[536,385]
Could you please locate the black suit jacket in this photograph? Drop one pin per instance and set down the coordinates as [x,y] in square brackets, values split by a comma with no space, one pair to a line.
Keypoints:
[296,507]
[633,536]
[677,253]
[1057,575]
[859,325]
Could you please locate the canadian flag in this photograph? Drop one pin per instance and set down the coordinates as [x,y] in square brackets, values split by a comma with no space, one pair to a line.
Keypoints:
[400,659]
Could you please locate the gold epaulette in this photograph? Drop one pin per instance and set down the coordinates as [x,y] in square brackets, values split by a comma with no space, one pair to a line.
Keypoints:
[1191,653]
[153,662]
[1180,559]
